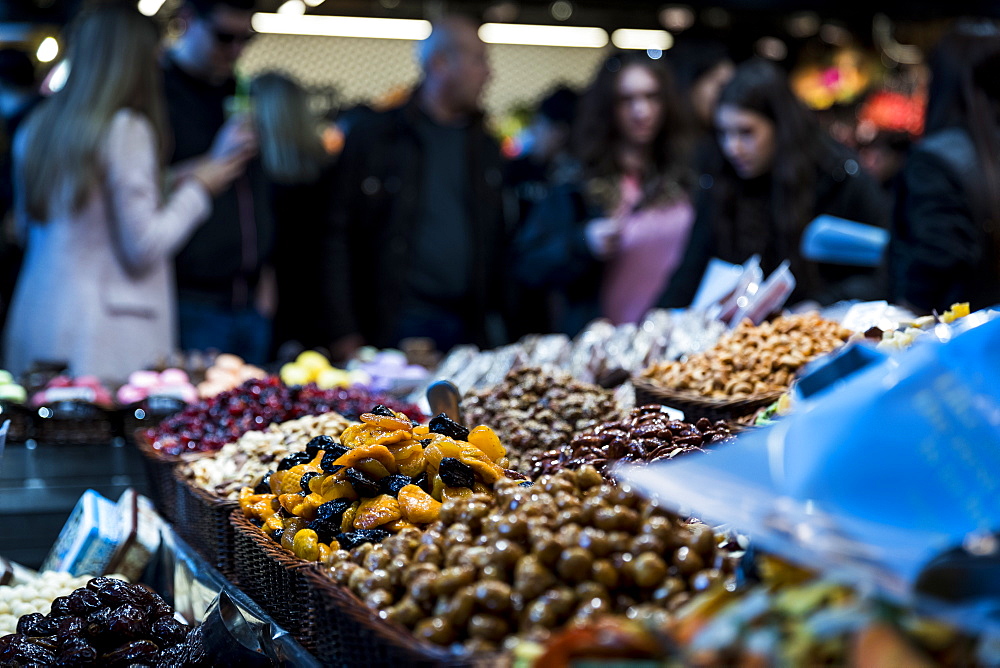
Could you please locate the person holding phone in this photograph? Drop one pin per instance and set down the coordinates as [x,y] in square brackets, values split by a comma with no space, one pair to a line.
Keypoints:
[221,274]
[96,290]
[609,242]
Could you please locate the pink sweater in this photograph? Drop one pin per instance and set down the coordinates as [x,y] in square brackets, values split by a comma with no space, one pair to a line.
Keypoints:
[97,286]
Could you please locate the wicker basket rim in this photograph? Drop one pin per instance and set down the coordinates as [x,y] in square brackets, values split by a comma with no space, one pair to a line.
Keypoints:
[146,448]
[696,399]
[316,578]
[203,494]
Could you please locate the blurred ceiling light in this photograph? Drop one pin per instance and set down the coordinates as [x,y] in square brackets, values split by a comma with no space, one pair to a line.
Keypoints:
[654,54]
[561,10]
[834,34]
[677,18]
[630,38]
[716,17]
[771,48]
[150,7]
[313,3]
[47,50]
[292,8]
[341,26]
[802,25]
[538,35]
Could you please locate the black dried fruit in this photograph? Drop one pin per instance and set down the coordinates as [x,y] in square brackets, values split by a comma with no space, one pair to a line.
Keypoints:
[128,621]
[168,631]
[22,652]
[351,539]
[98,622]
[423,482]
[137,651]
[328,463]
[442,424]
[325,529]
[391,484]
[294,459]
[277,535]
[426,441]
[158,607]
[304,481]
[456,473]
[384,411]
[83,601]
[362,484]
[60,607]
[34,625]
[264,486]
[321,442]
[115,592]
[76,652]
[69,626]
[332,510]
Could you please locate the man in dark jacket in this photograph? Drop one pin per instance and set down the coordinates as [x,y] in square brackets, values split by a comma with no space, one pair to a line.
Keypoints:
[219,269]
[418,228]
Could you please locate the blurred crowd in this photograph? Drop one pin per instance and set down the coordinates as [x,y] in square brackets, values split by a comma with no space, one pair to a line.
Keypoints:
[157,205]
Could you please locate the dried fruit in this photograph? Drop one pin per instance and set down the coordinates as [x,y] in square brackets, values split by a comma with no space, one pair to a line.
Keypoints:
[351,539]
[393,483]
[317,443]
[362,484]
[377,511]
[442,424]
[456,473]
[418,506]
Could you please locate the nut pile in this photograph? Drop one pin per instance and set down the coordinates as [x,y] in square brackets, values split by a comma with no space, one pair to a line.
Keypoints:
[385,476]
[752,360]
[646,435]
[245,461]
[532,558]
[108,623]
[534,411]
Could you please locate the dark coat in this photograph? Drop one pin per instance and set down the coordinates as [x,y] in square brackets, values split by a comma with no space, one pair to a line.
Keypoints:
[940,254]
[374,217]
[844,191]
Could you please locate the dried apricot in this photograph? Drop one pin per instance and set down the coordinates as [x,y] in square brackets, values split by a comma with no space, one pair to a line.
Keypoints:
[486,440]
[305,545]
[418,506]
[378,452]
[377,511]
[385,422]
[361,435]
[347,522]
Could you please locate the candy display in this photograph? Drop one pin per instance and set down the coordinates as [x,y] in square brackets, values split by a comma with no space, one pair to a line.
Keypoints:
[253,406]
[385,475]
[87,389]
[648,434]
[313,367]
[109,622]
[527,560]
[143,384]
[535,411]
[245,461]
[388,370]
[226,372]
[11,390]
[752,360]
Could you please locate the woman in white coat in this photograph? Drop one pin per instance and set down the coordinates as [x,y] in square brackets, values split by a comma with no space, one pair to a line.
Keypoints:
[97,286]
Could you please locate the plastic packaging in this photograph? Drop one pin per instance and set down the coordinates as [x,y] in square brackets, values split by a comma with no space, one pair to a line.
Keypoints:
[839,241]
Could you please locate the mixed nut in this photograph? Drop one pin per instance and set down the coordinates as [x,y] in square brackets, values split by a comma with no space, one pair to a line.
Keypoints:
[752,359]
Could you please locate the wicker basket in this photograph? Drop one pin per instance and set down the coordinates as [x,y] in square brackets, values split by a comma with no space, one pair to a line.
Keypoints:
[696,406]
[350,634]
[22,425]
[160,473]
[202,519]
[74,423]
[274,578]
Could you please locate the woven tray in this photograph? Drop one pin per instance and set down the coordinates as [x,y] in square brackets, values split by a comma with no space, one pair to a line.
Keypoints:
[153,411]
[22,425]
[348,633]
[274,578]
[202,519]
[696,406]
[75,423]
[160,473]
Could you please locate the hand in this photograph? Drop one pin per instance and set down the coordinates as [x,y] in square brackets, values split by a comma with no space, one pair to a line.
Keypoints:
[216,174]
[345,347]
[603,237]
[236,137]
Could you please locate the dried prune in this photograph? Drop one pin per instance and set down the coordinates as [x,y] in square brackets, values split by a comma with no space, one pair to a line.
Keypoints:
[168,631]
[127,621]
[391,484]
[456,473]
[444,425]
[60,607]
[362,484]
[98,622]
[351,539]
[294,459]
[264,486]
[330,457]
[332,510]
[83,601]
[304,481]
[321,442]
[23,652]
[137,651]
[423,482]
[384,411]
[115,592]
[35,624]
[69,627]
[76,652]
[277,535]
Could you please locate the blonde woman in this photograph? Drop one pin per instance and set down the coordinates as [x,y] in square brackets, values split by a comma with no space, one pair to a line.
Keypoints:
[96,290]
[301,172]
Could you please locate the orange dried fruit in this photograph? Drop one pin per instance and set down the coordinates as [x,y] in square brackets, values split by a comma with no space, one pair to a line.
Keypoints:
[360,435]
[347,521]
[413,466]
[376,511]
[372,468]
[386,422]
[486,440]
[378,452]
[305,545]
[418,506]
[332,488]
[449,493]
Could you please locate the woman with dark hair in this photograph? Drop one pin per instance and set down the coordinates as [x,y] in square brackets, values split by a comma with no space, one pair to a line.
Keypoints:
[97,289]
[610,241]
[945,244]
[781,171]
